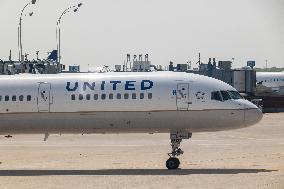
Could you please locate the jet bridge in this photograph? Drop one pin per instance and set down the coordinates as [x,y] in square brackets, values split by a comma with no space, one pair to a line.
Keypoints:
[243,79]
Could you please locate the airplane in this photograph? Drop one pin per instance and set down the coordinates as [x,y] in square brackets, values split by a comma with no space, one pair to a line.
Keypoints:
[270,83]
[122,102]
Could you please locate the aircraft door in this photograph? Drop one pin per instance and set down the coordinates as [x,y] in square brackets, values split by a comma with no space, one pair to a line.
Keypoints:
[43,97]
[182,96]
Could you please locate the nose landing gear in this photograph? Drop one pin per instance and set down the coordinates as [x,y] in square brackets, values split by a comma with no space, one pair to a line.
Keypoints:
[176,138]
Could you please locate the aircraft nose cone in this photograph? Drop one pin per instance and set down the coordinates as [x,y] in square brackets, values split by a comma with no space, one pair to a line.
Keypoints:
[252,116]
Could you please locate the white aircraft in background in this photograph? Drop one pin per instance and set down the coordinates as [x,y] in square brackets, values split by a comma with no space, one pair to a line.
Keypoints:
[154,102]
[270,83]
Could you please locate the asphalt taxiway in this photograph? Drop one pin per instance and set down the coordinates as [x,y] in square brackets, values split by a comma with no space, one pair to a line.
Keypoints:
[252,157]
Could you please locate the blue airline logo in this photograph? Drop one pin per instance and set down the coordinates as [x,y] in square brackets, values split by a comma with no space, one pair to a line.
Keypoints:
[127,85]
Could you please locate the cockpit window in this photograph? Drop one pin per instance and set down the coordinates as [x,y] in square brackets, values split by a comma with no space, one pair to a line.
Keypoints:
[226,95]
[216,96]
[235,95]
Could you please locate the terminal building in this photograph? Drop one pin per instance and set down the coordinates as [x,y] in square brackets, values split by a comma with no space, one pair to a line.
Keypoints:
[243,79]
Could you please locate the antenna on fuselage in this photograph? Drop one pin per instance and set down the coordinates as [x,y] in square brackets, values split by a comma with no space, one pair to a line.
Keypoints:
[46,135]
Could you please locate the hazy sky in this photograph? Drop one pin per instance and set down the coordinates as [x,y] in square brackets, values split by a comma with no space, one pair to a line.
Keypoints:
[103,32]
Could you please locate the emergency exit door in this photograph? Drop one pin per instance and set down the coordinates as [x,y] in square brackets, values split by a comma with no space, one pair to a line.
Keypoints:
[182,96]
[43,97]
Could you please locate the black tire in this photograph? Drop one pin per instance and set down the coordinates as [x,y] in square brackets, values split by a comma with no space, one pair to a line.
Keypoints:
[172,163]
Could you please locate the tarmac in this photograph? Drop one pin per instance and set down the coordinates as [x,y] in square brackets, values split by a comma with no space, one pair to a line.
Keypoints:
[252,157]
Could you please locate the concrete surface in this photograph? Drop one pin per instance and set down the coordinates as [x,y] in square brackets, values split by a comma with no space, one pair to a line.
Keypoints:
[247,158]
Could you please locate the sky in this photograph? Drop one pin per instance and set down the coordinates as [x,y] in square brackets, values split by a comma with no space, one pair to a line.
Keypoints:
[103,32]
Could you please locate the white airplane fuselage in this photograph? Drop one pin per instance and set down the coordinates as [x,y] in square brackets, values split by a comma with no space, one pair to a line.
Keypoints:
[271,83]
[119,103]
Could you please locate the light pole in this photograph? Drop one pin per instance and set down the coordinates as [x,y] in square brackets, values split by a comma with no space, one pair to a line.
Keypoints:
[20,29]
[58,30]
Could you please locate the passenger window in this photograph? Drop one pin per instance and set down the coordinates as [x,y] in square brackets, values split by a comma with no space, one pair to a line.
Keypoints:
[29,98]
[0,98]
[126,96]
[133,95]
[14,98]
[21,98]
[110,96]
[96,96]
[141,95]
[73,97]
[81,97]
[225,95]
[103,96]
[216,96]
[88,97]
[150,95]
[118,96]
[6,98]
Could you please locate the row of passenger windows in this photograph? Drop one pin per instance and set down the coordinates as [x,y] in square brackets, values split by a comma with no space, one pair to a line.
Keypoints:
[15,98]
[270,80]
[112,96]
[225,95]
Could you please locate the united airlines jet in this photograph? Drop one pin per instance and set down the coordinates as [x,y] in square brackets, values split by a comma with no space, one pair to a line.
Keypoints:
[154,102]
[270,83]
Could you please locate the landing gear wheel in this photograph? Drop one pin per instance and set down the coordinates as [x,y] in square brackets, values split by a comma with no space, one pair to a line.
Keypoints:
[176,138]
[172,163]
